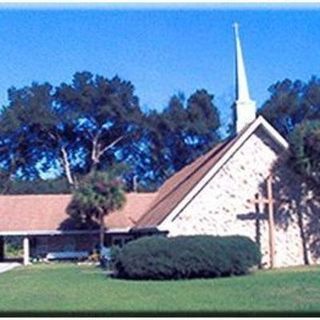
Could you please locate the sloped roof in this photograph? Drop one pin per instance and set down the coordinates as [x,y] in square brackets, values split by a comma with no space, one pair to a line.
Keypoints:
[42,213]
[178,186]
[136,205]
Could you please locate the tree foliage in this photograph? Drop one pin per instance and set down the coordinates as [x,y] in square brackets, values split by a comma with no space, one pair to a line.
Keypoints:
[305,147]
[181,132]
[98,194]
[70,129]
[37,186]
[294,110]
[106,115]
[39,136]
[94,122]
[5,181]
[292,102]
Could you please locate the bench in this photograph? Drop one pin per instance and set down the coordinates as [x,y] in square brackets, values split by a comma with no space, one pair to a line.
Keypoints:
[67,255]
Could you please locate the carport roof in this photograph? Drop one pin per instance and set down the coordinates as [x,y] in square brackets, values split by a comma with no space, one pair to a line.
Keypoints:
[42,214]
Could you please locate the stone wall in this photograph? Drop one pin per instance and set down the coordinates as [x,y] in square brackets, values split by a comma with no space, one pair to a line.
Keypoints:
[222,207]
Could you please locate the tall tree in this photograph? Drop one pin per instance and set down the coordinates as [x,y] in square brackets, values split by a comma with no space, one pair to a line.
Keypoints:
[38,135]
[305,147]
[181,132]
[204,120]
[107,117]
[98,194]
[95,122]
[292,102]
[73,129]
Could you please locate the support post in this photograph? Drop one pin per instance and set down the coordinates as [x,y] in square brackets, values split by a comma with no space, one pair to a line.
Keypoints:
[1,248]
[26,251]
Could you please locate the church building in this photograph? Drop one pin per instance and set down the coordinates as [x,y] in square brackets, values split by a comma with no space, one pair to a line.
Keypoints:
[242,186]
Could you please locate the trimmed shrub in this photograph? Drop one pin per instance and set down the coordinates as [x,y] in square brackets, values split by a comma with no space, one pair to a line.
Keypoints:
[182,257]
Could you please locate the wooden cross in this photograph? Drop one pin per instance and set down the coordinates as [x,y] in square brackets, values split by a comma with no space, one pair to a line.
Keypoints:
[269,201]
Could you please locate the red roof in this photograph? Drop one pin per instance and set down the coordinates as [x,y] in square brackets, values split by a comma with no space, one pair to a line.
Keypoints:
[23,213]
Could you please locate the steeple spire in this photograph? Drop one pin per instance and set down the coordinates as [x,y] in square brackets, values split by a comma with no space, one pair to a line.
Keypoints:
[245,108]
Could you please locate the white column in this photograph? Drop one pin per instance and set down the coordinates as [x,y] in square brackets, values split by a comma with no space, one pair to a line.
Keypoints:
[26,251]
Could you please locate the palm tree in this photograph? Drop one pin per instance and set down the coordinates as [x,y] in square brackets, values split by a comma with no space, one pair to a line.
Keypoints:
[97,195]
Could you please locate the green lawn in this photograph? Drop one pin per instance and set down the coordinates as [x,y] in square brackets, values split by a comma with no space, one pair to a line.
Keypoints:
[71,288]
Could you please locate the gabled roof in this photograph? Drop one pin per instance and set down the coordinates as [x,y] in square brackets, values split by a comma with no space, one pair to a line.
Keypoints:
[42,214]
[183,185]
[178,185]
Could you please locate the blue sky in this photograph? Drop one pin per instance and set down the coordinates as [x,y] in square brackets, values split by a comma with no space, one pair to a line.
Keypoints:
[161,51]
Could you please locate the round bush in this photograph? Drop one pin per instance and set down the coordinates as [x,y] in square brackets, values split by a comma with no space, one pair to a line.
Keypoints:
[182,257]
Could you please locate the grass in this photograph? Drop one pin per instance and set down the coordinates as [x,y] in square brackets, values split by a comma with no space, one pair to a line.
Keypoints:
[68,288]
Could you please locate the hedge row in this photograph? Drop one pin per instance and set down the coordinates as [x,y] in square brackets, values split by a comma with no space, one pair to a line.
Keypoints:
[183,257]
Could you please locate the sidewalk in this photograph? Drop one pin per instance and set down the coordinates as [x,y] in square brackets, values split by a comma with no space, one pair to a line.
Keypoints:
[6,266]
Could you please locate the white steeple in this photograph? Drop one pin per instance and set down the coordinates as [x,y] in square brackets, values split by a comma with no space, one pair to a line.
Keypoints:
[245,108]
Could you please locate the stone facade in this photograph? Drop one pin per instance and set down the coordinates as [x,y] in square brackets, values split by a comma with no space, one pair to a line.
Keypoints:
[222,208]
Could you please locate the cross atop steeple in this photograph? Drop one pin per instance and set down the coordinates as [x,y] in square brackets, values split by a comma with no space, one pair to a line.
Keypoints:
[245,108]
[236,28]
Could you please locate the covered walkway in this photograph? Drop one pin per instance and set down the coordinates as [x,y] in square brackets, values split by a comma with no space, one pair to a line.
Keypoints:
[44,228]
